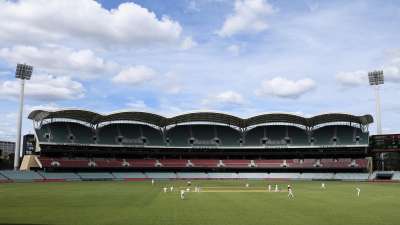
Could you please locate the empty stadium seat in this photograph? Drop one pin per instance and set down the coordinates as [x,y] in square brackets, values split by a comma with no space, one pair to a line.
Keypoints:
[60,176]
[108,163]
[252,175]
[342,163]
[228,136]
[178,163]
[324,135]
[298,136]
[166,175]
[238,163]
[21,175]
[81,133]
[276,135]
[54,132]
[223,175]
[154,136]
[351,176]
[203,135]
[129,175]
[340,135]
[95,176]
[3,178]
[254,136]
[141,163]
[283,176]
[64,163]
[43,133]
[205,163]
[192,175]
[179,136]
[269,163]
[199,135]
[108,134]
[139,134]
[345,135]
[316,176]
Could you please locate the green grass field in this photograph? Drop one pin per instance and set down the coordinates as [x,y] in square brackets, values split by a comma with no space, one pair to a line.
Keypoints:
[121,203]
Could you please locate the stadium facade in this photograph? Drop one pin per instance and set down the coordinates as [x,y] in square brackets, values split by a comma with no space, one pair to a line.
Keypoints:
[201,141]
[6,148]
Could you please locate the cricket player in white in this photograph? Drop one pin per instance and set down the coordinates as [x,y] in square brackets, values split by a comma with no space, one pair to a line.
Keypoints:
[276,188]
[165,189]
[323,186]
[152,181]
[358,191]
[247,185]
[269,188]
[182,194]
[290,194]
[172,188]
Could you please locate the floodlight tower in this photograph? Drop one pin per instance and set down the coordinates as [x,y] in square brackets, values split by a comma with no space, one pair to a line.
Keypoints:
[23,72]
[376,78]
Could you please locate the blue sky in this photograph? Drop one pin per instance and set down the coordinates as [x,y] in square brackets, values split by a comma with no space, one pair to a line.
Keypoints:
[242,57]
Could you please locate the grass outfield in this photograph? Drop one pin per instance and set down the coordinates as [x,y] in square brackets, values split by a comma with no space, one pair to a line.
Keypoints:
[122,203]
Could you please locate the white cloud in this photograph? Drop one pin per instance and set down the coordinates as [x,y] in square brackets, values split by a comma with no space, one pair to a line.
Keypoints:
[7,126]
[249,17]
[55,59]
[41,20]
[392,68]
[44,88]
[360,77]
[138,105]
[355,78]
[392,73]
[188,43]
[224,98]
[234,49]
[192,6]
[167,109]
[134,75]
[285,88]
[5,73]
[171,83]
[48,106]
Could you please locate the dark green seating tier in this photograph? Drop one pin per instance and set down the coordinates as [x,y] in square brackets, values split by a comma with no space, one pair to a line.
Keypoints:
[276,135]
[344,135]
[154,137]
[198,135]
[298,136]
[54,132]
[130,134]
[82,134]
[65,132]
[324,135]
[108,134]
[228,136]
[254,136]
[203,135]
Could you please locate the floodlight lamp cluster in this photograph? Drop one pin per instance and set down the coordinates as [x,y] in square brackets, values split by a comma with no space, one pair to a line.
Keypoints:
[376,77]
[23,71]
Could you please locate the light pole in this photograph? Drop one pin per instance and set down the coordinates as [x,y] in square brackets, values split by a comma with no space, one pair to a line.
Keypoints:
[376,78]
[23,72]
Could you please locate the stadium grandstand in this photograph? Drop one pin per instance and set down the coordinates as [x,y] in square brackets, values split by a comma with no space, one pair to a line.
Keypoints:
[78,144]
